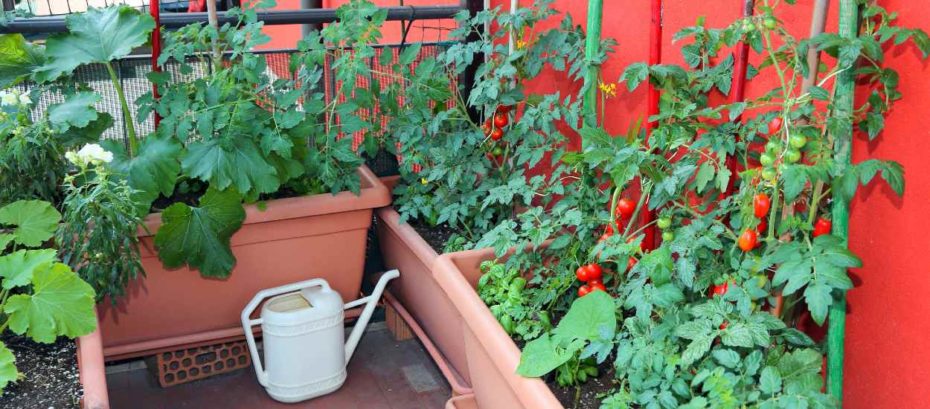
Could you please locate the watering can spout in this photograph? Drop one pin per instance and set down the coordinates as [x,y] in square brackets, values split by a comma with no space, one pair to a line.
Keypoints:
[369,302]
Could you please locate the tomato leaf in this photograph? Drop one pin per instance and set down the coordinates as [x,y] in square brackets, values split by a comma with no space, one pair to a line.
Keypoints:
[199,236]
[8,371]
[818,298]
[60,304]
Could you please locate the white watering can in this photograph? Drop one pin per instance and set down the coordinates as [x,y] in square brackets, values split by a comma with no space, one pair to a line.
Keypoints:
[306,352]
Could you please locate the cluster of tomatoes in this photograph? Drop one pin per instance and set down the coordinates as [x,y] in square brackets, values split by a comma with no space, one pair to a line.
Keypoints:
[590,274]
[773,148]
[749,239]
[494,129]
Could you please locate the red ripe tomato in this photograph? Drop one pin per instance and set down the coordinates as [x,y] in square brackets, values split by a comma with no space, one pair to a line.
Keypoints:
[582,274]
[822,226]
[594,271]
[486,127]
[762,226]
[748,240]
[775,125]
[501,120]
[720,289]
[504,109]
[625,208]
[723,325]
[597,286]
[497,134]
[630,263]
[604,237]
[584,290]
[761,205]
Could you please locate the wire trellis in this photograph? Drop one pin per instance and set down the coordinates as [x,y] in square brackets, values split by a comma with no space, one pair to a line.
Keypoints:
[132,72]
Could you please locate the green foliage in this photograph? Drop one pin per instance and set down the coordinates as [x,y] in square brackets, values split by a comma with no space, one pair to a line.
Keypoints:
[697,321]
[98,236]
[590,322]
[99,35]
[452,171]
[40,297]
[503,290]
[199,236]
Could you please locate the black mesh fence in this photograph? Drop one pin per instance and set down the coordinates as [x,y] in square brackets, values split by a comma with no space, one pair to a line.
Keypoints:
[132,72]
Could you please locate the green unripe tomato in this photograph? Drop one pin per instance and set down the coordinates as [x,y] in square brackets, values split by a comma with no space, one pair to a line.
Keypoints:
[797,141]
[793,155]
[769,23]
[772,146]
[769,174]
[766,159]
[668,236]
[497,151]
[664,223]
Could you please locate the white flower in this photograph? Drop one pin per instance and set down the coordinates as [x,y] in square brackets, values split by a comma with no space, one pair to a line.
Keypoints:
[72,157]
[8,98]
[90,153]
[24,99]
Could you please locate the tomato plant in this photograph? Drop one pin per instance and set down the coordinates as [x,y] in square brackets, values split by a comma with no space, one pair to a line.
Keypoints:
[715,305]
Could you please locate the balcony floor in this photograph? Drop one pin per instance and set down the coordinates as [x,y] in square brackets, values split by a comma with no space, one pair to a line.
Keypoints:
[383,374]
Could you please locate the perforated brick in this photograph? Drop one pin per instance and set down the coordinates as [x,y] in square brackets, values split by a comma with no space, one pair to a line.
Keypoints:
[191,364]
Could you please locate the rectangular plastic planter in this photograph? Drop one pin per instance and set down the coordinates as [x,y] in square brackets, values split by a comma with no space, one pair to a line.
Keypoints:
[421,297]
[492,357]
[290,240]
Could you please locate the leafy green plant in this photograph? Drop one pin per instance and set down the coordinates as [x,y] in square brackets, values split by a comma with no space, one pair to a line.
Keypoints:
[40,297]
[98,237]
[467,158]
[707,318]
[504,291]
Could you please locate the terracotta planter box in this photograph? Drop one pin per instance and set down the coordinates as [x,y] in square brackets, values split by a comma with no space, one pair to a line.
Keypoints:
[419,293]
[462,402]
[492,357]
[92,371]
[291,240]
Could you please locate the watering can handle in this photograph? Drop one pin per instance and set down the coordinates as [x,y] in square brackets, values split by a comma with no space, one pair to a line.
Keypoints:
[248,323]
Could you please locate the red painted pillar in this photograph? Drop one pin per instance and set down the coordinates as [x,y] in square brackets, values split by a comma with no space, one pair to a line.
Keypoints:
[154,9]
[655,57]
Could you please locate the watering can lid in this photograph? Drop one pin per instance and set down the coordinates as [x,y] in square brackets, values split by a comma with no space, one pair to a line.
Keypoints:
[320,303]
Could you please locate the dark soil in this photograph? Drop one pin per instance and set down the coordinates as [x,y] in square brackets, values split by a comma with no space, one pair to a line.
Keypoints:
[590,395]
[436,236]
[49,375]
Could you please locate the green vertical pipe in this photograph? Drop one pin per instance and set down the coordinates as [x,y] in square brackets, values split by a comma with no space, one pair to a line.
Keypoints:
[842,151]
[591,50]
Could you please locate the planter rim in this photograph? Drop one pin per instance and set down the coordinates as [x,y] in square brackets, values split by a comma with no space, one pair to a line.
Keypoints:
[373,194]
[408,235]
[92,370]
[492,337]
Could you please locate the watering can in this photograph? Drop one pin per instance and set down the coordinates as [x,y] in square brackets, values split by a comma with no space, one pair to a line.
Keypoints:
[305,348]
